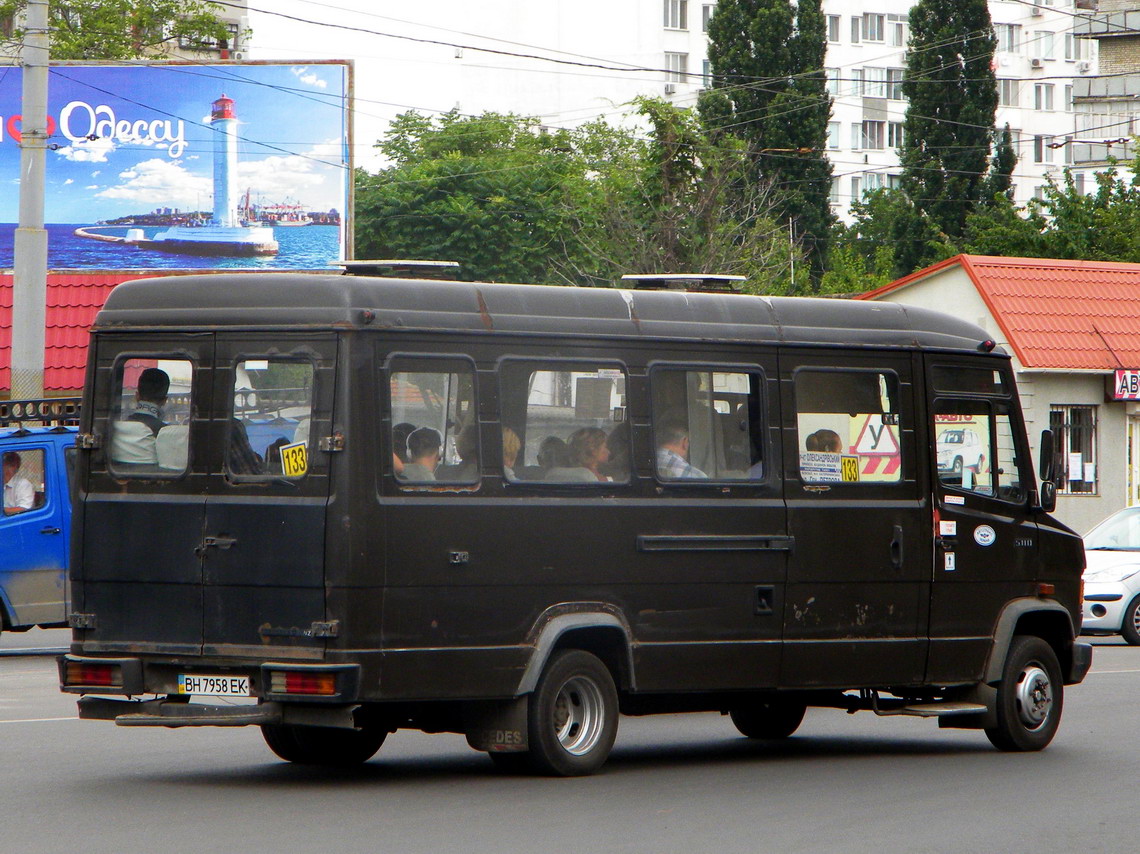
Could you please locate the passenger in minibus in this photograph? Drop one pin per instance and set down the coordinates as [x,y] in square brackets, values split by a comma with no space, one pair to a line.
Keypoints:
[400,434]
[824,442]
[467,449]
[617,468]
[511,447]
[241,458]
[588,452]
[424,446]
[150,397]
[673,451]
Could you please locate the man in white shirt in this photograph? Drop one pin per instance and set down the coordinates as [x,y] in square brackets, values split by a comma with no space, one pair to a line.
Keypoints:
[19,494]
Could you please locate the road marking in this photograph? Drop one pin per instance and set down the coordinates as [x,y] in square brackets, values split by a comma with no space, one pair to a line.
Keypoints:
[1099,672]
[40,720]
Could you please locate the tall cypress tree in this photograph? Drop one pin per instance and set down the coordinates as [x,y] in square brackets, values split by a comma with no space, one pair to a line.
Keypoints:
[770,89]
[949,127]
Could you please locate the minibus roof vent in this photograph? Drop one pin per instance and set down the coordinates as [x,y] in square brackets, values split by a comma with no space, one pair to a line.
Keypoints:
[703,282]
[421,269]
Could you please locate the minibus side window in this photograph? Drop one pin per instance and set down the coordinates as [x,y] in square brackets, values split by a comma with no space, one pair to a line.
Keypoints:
[435,431]
[150,420]
[572,428]
[975,446]
[707,425]
[848,427]
[273,410]
[24,482]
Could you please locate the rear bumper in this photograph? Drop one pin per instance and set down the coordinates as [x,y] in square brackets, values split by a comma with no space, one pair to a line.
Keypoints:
[173,713]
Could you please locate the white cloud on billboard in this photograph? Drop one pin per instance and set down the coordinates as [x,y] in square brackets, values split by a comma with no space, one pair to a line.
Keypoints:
[160,182]
[309,78]
[87,151]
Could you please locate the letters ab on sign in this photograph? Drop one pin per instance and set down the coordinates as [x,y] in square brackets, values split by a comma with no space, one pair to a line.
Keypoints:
[1126,384]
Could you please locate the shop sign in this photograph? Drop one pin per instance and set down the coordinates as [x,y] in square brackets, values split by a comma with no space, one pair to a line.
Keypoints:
[1126,384]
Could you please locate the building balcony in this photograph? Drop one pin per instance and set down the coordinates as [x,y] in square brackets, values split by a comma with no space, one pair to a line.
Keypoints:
[1107,25]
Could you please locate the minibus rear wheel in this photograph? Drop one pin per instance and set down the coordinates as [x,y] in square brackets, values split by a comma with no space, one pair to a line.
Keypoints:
[572,715]
[314,745]
[768,720]
[1029,697]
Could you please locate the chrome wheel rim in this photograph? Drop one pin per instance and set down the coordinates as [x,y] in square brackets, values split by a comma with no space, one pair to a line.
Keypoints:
[579,716]
[1034,697]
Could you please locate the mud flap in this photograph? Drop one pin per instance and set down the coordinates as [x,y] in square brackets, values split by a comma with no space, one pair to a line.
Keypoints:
[497,727]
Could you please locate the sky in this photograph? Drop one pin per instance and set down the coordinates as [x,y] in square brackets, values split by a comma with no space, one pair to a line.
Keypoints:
[154,145]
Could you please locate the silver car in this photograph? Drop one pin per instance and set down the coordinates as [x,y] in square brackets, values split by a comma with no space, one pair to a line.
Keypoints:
[1112,577]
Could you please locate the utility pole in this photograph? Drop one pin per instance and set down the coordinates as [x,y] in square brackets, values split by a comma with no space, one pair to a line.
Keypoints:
[29,291]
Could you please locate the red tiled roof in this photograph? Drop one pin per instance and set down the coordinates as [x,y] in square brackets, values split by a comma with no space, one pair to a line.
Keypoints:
[1064,315]
[73,299]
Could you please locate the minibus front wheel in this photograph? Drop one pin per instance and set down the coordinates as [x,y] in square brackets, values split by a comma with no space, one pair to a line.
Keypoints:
[572,715]
[1029,697]
[314,745]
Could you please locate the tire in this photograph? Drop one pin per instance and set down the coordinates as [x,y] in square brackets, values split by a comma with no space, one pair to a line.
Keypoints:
[1130,623]
[1030,697]
[768,720]
[957,467]
[572,715]
[310,745]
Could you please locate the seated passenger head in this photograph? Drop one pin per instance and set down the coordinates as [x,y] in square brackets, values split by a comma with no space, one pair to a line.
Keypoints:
[553,453]
[673,433]
[12,463]
[467,444]
[424,443]
[400,434]
[511,446]
[154,384]
[824,441]
[588,447]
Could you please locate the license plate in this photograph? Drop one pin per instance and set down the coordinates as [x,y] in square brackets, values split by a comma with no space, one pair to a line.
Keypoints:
[213,686]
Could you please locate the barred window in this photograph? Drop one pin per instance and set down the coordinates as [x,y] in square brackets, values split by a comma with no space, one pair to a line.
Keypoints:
[1074,463]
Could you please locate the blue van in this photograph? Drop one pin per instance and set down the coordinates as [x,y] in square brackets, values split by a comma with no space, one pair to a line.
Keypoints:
[34,540]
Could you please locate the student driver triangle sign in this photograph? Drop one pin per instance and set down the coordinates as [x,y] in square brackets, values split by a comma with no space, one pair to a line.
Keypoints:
[878,442]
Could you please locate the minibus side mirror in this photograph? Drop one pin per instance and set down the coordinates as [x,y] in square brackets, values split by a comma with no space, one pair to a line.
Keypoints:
[1045,455]
[1047,493]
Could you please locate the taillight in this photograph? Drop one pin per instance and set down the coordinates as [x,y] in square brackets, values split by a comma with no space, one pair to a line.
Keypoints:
[299,682]
[83,674]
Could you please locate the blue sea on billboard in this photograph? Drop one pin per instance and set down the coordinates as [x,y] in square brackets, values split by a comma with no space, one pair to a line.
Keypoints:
[182,166]
[313,247]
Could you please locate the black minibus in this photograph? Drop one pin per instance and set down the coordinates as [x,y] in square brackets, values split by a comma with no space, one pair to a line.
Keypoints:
[334,506]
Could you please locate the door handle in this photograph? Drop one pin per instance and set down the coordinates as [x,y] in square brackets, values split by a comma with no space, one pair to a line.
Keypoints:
[50,530]
[213,543]
[897,547]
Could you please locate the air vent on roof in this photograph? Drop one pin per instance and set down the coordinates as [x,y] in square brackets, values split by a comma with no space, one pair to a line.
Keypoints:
[705,282]
[394,267]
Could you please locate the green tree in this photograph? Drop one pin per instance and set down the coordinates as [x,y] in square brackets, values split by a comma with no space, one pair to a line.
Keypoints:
[1065,223]
[486,191]
[948,131]
[124,29]
[767,60]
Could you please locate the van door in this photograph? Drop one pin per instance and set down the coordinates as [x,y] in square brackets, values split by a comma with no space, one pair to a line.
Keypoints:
[33,541]
[263,542]
[859,573]
[138,525]
[987,538]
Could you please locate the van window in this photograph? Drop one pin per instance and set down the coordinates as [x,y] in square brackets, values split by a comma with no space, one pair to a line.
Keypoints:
[24,482]
[435,431]
[848,426]
[150,417]
[976,450]
[570,423]
[707,424]
[268,435]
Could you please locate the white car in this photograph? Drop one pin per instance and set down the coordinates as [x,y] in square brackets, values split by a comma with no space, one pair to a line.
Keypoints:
[1112,577]
[960,448]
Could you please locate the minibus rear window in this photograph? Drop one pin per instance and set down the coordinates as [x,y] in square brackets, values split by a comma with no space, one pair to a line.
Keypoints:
[150,419]
[848,427]
[268,435]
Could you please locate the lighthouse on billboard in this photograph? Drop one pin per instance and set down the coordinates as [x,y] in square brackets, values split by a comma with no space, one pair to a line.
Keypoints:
[225,234]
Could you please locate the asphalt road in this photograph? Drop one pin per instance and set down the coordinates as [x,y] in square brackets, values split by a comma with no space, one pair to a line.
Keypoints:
[684,783]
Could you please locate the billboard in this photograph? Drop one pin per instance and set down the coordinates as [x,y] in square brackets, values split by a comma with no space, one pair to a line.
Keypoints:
[177,165]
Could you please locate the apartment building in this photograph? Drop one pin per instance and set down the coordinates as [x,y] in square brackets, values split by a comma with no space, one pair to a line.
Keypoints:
[1108,104]
[1038,63]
